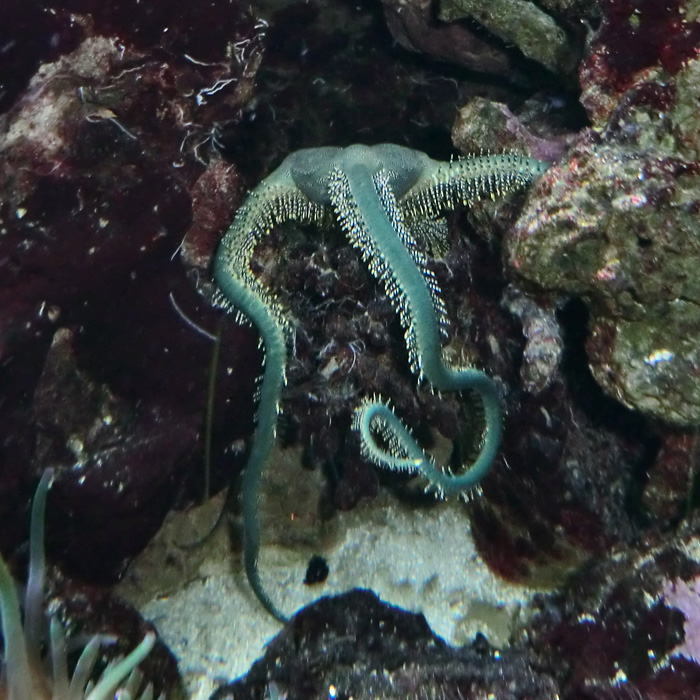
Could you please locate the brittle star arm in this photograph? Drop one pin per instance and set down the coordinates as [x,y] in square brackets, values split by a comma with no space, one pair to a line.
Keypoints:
[374,222]
[274,201]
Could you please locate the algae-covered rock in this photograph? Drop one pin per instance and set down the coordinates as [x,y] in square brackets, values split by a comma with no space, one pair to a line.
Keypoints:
[485,125]
[619,227]
[523,24]
[617,222]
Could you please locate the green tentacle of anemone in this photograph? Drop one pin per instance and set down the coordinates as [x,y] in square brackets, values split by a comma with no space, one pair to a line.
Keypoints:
[24,676]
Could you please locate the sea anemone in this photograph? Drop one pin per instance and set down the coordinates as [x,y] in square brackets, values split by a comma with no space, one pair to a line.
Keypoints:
[23,673]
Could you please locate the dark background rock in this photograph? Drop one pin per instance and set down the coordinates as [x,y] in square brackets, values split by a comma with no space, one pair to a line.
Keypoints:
[356,646]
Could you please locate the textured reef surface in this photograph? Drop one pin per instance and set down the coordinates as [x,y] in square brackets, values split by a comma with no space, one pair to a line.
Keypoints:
[617,224]
[128,138]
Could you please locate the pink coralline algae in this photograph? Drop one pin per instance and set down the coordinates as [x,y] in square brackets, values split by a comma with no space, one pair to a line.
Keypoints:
[686,597]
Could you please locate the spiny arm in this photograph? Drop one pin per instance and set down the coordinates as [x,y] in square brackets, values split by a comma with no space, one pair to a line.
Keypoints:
[441,186]
[445,185]
[274,201]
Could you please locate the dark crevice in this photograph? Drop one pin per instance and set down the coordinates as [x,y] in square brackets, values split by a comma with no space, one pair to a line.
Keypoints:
[601,409]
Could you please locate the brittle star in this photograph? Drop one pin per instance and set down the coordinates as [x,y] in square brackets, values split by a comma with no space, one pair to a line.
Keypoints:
[380,195]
